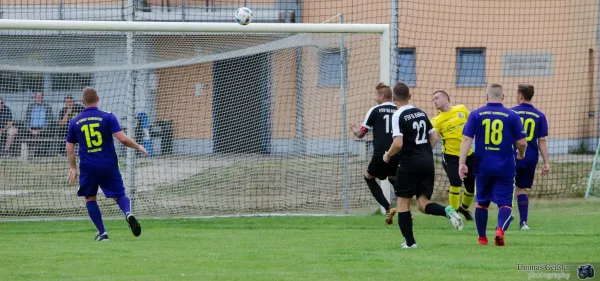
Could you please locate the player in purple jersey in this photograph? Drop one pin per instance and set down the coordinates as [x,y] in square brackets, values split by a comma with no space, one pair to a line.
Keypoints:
[93,130]
[495,129]
[536,128]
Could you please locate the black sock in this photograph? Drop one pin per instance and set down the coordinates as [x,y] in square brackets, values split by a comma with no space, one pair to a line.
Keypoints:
[377,193]
[435,209]
[405,224]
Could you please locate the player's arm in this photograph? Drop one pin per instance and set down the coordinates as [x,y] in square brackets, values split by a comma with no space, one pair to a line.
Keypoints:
[72,178]
[71,155]
[465,146]
[129,142]
[367,124]
[543,145]
[115,129]
[359,132]
[397,134]
[70,147]
[520,136]
[521,147]
[433,135]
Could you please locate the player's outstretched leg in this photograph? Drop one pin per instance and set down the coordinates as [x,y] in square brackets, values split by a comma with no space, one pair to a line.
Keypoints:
[96,216]
[454,218]
[504,218]
[377,193]
[481,219]
[125,206]
[435,209]
[523,203]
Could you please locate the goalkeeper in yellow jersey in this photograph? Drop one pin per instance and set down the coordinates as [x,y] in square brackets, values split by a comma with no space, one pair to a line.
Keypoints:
[449,123]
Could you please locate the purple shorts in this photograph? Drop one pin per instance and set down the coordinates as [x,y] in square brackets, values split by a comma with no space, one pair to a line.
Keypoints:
[496,189]
[524,177]
[110,181]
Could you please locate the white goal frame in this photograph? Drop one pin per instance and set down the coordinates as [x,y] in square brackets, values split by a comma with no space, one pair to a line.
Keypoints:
[130,27]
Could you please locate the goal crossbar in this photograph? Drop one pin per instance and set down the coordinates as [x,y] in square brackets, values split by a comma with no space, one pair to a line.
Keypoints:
[190,26]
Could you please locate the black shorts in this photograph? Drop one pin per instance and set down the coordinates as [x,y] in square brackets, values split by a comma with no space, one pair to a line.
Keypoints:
[414,179]
[381,170]
[450,163]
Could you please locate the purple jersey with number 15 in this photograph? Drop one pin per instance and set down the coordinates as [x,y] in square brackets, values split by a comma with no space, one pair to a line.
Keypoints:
[93,130]
[495,129]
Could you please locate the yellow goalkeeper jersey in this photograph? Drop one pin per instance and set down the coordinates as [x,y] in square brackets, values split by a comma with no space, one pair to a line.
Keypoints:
[450,125]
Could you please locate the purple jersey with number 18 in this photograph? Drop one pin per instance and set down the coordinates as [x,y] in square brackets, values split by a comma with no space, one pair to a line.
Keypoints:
[495,129]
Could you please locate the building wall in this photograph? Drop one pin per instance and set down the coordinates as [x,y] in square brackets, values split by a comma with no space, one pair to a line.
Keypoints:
[192,115]
[565,30]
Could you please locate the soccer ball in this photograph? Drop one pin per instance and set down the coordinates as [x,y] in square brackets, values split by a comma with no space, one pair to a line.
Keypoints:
[243,16]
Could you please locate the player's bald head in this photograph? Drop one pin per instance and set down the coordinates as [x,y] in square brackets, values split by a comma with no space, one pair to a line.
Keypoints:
[90,96]
[494,92]
[384,90]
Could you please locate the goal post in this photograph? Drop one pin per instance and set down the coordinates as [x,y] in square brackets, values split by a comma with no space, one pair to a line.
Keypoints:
[196,83]
[593,183]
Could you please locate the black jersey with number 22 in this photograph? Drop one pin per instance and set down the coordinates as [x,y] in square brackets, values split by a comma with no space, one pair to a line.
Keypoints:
[414,126]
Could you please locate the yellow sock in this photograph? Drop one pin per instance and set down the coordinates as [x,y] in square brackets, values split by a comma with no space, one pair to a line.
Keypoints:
[454,197]
[467,199]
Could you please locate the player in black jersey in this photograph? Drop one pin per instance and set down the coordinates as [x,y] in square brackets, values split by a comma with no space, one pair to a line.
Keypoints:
[414,137]
[379,120]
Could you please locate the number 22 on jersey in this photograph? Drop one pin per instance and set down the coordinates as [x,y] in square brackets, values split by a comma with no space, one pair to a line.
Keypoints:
[493,131]
[418,125]
[93,138]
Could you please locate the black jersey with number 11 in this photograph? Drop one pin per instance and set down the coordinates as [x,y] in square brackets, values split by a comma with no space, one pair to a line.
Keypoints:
[414,126]
[379,120]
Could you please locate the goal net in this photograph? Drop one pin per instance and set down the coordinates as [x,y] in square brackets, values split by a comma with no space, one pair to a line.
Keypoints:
[239,120]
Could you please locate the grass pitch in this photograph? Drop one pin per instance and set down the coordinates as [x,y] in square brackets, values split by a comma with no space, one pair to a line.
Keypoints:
[298,248]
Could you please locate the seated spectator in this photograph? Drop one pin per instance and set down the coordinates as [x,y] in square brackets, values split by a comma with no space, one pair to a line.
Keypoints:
[7,130]
[38,116]
[70,111]
[39,119]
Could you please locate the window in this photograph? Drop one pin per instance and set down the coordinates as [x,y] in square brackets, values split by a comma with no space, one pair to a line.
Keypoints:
[16,81]
[407,72]
[70,81]
[470,67]
[330,68]
[27,82]
[10,81]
